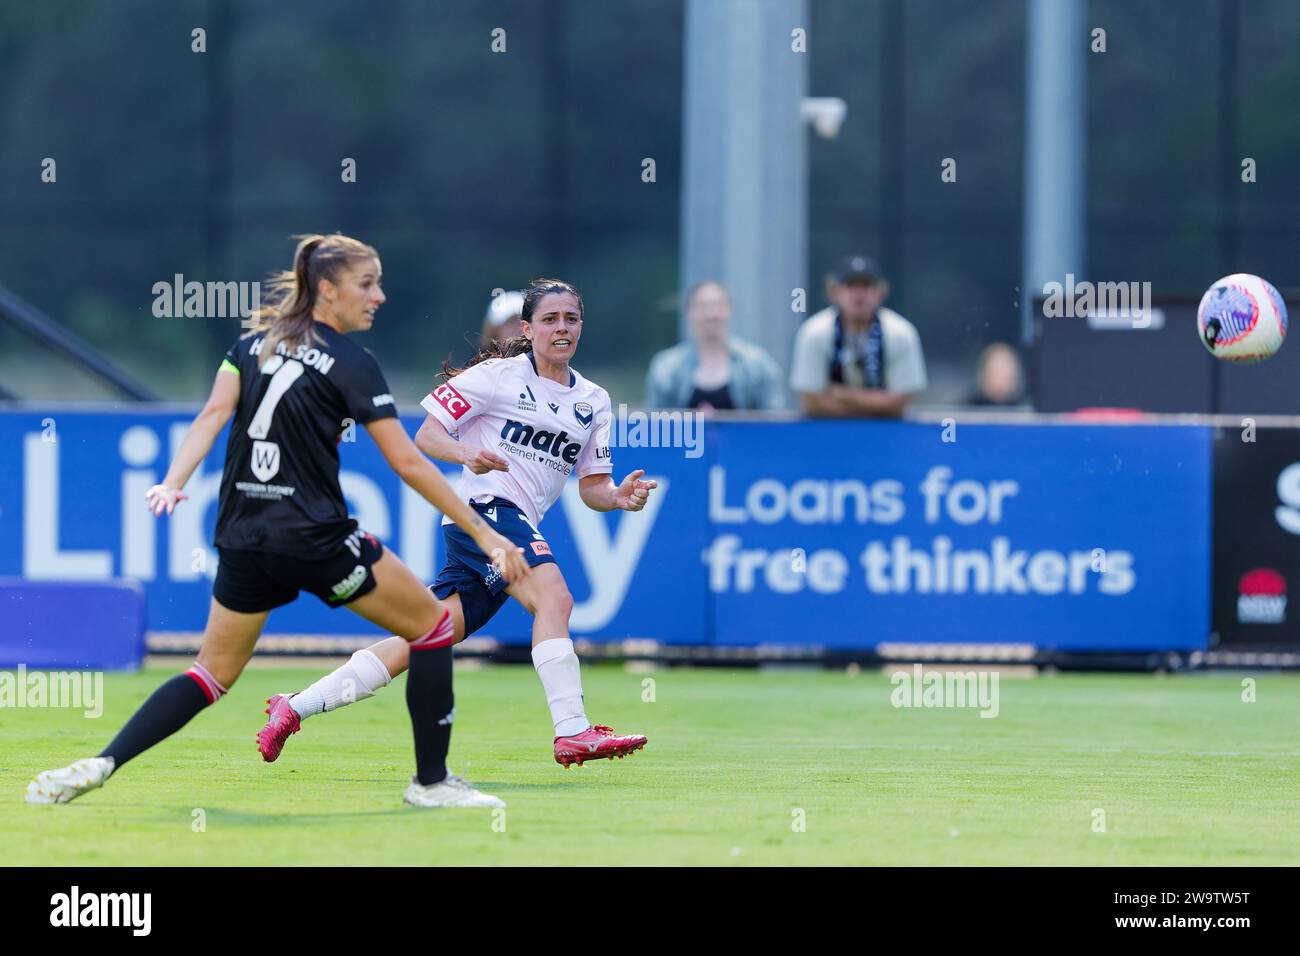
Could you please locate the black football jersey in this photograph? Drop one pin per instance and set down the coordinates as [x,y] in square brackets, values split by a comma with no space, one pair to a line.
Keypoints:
[280,486]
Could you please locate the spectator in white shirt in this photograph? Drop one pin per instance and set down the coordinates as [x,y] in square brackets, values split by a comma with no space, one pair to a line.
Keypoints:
[857,359]
[501,323]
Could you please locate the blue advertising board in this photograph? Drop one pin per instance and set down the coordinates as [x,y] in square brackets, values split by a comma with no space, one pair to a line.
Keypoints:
[832,534]
[1070,537]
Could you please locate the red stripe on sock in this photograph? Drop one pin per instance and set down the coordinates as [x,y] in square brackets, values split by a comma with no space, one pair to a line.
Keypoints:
[212,688]
[440,636]
[203,685]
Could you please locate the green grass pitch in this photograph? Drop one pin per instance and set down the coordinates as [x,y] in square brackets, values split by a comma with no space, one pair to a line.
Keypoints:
[1184,770]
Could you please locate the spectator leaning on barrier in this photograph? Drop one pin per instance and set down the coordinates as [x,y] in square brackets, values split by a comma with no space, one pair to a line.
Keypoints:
[713,370]
[856,359]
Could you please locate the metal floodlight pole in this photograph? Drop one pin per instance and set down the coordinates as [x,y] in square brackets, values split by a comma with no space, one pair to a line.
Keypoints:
[744,214]
[1056,42]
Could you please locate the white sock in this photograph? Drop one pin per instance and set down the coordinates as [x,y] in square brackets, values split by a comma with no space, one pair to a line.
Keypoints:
[359,678]
[557,666]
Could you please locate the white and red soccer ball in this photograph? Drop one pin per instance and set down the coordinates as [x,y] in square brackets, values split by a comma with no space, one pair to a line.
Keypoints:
[1241,318]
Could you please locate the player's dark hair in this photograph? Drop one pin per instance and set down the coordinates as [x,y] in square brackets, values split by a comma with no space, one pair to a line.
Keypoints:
[537,290]
[291,296]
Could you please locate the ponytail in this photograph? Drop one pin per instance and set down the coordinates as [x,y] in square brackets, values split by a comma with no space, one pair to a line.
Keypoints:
[493,349]
[287,318]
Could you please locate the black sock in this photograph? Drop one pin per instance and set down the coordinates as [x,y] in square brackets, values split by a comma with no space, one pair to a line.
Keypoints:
[430,701]
[168,710]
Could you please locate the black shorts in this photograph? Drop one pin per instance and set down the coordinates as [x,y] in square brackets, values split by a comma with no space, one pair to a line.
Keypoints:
[253,581]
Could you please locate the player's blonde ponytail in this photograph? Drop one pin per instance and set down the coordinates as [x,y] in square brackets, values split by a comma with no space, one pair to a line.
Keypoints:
[291,296]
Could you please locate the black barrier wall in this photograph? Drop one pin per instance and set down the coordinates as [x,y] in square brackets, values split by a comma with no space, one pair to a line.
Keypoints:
[1256,554]
[1080,362]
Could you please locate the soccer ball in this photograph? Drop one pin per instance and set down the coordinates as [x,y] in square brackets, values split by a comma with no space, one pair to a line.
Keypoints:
[1241,318]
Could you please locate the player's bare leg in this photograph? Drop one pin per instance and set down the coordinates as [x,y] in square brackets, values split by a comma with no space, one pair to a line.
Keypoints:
[367,672]
[425,629]
[546,595]
[401,604]
[228,641]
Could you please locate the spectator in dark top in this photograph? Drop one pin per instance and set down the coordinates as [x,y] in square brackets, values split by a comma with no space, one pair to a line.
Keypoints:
[713,370]
[998,377]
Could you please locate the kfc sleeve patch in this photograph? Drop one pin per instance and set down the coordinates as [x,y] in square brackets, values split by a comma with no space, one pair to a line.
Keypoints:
[450,399]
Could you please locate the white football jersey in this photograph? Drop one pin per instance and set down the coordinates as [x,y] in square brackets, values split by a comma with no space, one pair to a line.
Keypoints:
[544,429]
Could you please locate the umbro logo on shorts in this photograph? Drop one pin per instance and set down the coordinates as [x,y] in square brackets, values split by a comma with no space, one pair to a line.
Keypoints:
[348,585]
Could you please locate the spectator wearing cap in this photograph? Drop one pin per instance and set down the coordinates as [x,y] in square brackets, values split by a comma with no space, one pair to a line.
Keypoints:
[501,323]
[855,358]
[713,369]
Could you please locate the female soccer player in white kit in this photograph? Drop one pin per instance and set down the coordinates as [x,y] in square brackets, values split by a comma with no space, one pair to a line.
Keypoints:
[519,420]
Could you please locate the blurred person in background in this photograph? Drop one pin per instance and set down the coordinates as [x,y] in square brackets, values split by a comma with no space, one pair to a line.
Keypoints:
[998,377]
[855,358]
[501,323]
[713,369]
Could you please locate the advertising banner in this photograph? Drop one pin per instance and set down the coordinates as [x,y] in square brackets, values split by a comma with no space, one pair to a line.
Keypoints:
[827,534]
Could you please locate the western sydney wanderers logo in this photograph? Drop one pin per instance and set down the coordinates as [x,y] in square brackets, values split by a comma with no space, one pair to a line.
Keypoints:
[450,399]
[266,460]
[582,412]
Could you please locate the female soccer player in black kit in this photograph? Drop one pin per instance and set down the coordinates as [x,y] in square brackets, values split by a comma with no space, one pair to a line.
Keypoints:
[292,388]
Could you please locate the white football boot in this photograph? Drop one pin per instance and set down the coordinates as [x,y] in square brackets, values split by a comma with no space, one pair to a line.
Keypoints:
[453,791]
[70,782]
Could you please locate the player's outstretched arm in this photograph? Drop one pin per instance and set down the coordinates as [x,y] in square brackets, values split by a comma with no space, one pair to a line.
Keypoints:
[204,430]
[418,472]
[599,493]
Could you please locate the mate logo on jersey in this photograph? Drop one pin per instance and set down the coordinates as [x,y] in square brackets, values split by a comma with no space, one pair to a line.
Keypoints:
[450,399]
[554,444]
[266,460]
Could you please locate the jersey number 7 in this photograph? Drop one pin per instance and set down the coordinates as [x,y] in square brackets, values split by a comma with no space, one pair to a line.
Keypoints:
[283,375]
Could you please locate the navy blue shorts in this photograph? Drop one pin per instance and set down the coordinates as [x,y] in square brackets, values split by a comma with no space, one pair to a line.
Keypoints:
[467,571]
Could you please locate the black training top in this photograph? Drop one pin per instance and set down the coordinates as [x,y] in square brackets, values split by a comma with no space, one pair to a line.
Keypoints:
[280,487]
